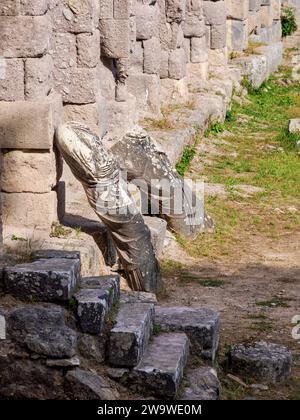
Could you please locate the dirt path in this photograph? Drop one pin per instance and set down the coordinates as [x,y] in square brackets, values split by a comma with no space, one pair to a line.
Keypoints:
[249,269]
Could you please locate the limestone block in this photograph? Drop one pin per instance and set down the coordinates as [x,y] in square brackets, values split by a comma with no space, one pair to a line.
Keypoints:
[237,9]
[253,22]
[147,21]
[175,10]
[266,16]
[33,7]
[254,5]
[197,71]
[187,49]
[194,6]
[107,70]
[75,16]
[88,49]
[193,25]
[237,34]
[177,64]
[12,80]
[78,85]
[33,40]
[217,57]
[136,58]
[121,9]
[9,7]
[38,77]
[165,35]
[64,50]
[218,36]
[214,12]
[94,115]
[22,211]
[276,7]
[29,125]
[151,56]
[164,64]
[106,9]
[174,91]
[203,384]
[38,171]
[266,362]
[114,37]
[123,115]
[294,125]
[145,87]
[198,50]
[177,36]
[48,280]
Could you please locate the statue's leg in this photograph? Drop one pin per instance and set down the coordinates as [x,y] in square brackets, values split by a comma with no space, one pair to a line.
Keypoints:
[100,175]
[179,205]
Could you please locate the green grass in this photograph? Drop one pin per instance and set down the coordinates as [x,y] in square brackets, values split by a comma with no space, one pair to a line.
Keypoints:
[275,302]
[183,165]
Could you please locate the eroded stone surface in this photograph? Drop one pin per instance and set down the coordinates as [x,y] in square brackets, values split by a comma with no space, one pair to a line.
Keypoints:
[200,324]
[266,362]
[48,280]
[202,384]
[130,335]
[160,371]
[42,330]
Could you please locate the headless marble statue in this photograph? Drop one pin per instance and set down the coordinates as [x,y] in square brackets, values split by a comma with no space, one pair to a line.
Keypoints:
[100,174]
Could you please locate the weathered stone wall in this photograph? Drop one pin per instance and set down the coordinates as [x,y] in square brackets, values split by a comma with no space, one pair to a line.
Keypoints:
[109,63]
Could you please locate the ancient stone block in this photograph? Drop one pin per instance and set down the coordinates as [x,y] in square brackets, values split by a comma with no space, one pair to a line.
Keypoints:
[160,371]
[136,58]
[88,49]
[131,333]
[164,64]
[138,297]
[33,40]
[175,10]
[114,38]
[145,88]
[147,21]
[42,329]
[94,302]
[193,26]
[76,16]
[85,385]
[38,77]
[92,347]
[294,125]
[33,7]
[238,9]
[266,16]
[214,12]
[237,34]
[94,115]
[54,253]
[151,56]
[202,384]
[266,362]
[177,64]
[49,280]
[28,125]
[38,171]
[12,80]
[121,9]
[200,324]
[199,50]
[63,363]
[64,50]
[254,5]
[9,7]
[106,9]
[78,85]
[218,36]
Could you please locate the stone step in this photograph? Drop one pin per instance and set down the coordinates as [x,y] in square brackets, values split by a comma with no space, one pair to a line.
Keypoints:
[94,301]
[131,333]
[46,280]
[161,369]
[200,324]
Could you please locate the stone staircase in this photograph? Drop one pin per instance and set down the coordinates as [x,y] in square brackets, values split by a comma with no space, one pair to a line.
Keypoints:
[146,346]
